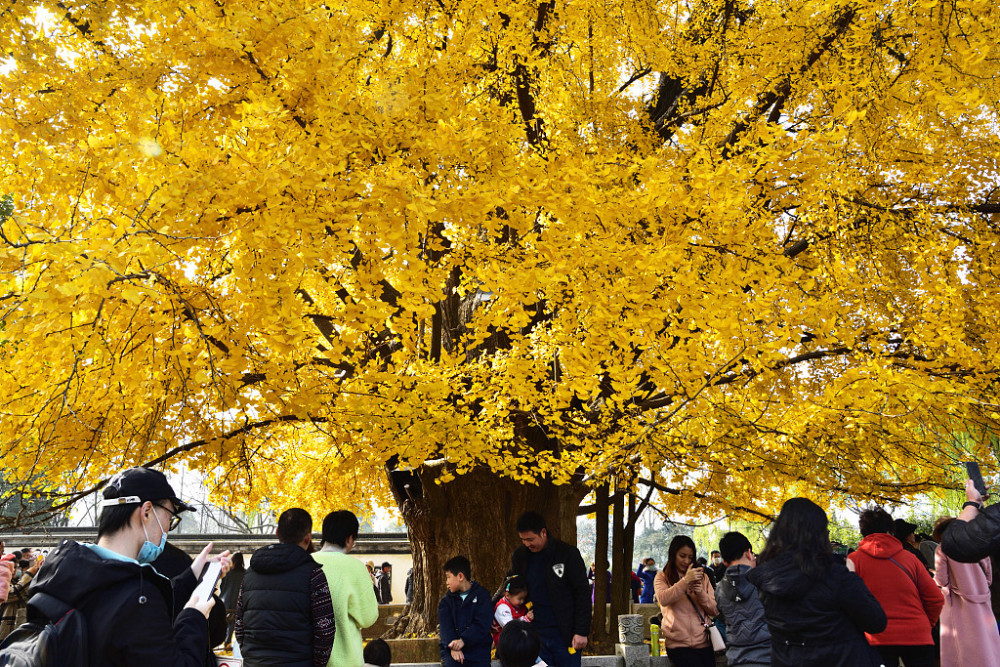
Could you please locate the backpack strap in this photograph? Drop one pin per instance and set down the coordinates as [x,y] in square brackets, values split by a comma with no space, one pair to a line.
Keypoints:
[908,573]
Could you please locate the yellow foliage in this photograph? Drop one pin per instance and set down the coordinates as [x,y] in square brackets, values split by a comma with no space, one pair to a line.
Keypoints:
[751,247]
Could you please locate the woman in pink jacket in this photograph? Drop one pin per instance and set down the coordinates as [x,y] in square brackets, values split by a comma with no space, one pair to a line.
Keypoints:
[969,636]
[686,599]
[6,573]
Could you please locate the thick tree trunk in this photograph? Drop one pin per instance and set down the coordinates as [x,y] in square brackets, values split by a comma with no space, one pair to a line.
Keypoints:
[473,515]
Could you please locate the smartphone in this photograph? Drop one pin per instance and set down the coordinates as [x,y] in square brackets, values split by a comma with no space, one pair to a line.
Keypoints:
[209,580]
[972,470]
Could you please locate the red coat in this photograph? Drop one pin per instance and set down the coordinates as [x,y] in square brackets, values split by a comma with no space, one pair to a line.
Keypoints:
[910,598]
[503,613]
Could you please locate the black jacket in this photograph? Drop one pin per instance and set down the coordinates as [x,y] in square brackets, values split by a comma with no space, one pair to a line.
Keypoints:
[470,620]
[820,623]
[383,587]
[173,562]
[569,591]
[276,607]
[129,608]
[748,641]
[972,541]
[229,591]
[715,574]
[408,586]
[920,556]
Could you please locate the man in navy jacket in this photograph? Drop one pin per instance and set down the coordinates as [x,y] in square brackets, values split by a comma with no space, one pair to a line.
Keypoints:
[465,615]
[557,589]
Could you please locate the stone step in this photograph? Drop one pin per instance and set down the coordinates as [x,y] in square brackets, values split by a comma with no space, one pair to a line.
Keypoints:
[389,612]
[588,661]
[425,651]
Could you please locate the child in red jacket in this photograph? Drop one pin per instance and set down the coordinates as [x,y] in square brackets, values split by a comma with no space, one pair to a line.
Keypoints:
[512,605]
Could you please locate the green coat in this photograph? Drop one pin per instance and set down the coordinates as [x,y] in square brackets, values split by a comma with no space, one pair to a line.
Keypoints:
[354,605]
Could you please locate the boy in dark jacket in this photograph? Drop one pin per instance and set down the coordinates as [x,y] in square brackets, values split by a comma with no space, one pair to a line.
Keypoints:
[748,641]
[465,614]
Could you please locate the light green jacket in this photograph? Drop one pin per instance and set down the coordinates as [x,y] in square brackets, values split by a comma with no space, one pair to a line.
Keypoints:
[354,605]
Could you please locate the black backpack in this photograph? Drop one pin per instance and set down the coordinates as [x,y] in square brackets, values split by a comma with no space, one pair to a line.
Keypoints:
[55,634]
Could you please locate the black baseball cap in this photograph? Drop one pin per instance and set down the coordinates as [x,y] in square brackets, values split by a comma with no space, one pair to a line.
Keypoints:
[137,485]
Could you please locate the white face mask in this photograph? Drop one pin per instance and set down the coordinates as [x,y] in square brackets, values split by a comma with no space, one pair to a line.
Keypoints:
[717,561]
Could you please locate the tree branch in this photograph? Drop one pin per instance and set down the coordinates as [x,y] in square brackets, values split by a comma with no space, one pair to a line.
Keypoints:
[70,499]
[702,496]
[775,99]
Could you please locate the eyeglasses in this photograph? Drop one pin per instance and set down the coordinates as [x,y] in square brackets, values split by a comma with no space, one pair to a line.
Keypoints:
[175,518]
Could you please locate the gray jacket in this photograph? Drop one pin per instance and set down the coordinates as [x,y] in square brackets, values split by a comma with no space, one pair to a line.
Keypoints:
[748,641]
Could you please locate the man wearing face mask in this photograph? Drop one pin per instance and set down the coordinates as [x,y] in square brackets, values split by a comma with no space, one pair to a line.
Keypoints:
[134,615]
[715,569]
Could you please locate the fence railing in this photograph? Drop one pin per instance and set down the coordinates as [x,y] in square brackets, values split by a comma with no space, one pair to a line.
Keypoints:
[48,538]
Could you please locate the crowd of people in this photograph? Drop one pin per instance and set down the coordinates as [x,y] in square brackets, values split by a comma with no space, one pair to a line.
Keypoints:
[796,603]
[23,565]
[293,605]
[799,603]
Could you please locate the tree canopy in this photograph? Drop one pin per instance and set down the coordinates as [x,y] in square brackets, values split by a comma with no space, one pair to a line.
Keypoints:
[749,246]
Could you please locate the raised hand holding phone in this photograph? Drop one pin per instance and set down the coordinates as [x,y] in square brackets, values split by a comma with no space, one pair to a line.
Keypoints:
[198,565]
[694,574]
[973,472]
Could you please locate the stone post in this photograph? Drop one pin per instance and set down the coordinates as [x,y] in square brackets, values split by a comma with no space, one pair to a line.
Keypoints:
[631,632]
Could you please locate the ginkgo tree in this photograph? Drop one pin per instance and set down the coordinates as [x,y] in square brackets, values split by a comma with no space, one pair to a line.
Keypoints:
[484,256]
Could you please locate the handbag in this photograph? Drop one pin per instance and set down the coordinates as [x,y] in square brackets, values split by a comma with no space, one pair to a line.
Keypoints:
[718,643]
[714,636]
